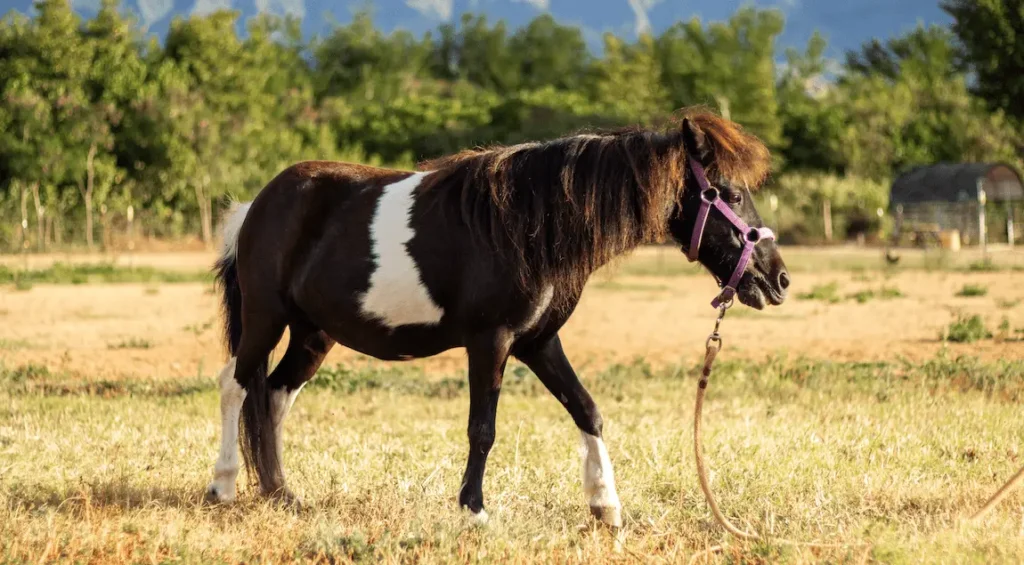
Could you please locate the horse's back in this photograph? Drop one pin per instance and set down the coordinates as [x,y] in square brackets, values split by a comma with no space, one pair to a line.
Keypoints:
[304,206]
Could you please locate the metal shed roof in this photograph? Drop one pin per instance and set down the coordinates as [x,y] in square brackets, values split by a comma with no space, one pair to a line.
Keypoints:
[957,182]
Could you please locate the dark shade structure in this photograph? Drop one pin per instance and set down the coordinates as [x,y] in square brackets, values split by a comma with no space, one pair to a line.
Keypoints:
[948,196]
[957,182]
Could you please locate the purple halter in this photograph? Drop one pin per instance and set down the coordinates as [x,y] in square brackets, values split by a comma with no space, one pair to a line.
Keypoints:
[709,197]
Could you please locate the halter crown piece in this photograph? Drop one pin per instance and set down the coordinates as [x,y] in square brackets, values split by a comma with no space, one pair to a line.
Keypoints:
[709,197]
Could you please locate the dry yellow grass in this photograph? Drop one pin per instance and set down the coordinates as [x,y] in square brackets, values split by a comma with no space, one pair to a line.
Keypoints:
[888,455]
[870,432]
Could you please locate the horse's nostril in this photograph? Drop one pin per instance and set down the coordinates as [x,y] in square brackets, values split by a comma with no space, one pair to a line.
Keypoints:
[783,280]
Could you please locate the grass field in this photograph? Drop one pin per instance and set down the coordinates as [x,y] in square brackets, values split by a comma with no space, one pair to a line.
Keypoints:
[840,417]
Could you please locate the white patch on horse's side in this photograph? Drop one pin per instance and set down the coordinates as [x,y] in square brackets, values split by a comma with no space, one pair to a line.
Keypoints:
[225,470]
[598,477]
[397,295]
[232,226]
[543,302]
[281,402]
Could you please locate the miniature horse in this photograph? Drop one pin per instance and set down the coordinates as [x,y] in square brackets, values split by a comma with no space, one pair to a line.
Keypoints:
[487,250]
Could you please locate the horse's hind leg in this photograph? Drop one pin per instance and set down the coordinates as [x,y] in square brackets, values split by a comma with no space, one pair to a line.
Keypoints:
[307,348]
[548,362]
[225,470]
[243,393]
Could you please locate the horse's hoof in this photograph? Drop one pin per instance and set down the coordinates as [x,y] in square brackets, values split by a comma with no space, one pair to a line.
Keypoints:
[216,494]
[609,515]
[476,518]
[286,499]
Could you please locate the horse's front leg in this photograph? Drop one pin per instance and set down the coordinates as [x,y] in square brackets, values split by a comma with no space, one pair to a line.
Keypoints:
[548,362]
[487,353]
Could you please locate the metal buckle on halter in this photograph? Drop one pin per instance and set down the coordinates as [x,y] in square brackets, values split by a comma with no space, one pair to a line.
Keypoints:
[709,200]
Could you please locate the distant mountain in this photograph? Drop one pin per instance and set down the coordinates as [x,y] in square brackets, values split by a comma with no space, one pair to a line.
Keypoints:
[846,23]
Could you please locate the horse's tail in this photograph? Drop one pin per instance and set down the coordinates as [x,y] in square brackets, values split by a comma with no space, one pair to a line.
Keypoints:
[226,271]
[257,440]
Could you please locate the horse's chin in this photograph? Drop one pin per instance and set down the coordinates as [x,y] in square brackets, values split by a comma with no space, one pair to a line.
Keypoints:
[752,295]
[755,291]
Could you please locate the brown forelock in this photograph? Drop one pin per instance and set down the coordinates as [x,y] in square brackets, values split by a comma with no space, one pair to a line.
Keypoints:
[738,156]
[556,211]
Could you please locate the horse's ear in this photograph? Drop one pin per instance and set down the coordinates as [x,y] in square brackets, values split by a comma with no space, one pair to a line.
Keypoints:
[696,141]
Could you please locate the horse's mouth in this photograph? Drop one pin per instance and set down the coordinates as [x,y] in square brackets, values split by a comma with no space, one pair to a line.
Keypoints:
[755,291]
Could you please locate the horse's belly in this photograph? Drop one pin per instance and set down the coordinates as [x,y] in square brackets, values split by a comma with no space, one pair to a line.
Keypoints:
[398,344]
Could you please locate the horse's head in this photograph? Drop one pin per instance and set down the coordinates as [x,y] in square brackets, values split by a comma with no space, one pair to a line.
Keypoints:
[717,224]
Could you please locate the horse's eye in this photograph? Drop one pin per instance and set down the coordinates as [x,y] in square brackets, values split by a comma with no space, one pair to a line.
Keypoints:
[733,197]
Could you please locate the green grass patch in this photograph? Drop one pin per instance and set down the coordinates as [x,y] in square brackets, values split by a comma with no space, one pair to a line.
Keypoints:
[66,273]
[823,292]
[966,329]
[972,290]
[132,343]
[889,292]
[14,344]
[983,266]
[35,379]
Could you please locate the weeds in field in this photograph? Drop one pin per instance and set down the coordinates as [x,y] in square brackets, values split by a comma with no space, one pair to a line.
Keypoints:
[884,293]
[14,344]
[983,266]
[966,329]
[35,379]
[1006,304]
[971,290]
[199,329]
[830,293]
[824,292]
[132,343]
[1004,329]
[64,273]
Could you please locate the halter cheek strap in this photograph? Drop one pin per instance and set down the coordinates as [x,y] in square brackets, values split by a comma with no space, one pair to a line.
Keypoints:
[709,197]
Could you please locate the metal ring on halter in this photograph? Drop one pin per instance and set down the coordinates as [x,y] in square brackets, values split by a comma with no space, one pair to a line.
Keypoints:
[713,338]
[753,235]
[714,195]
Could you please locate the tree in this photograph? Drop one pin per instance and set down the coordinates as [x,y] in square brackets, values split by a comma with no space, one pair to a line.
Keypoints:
[45,81]
[551,54]
[478,53]
[927,53]
[627,81]
[116,74]
[811,124]
[357,60]
[729,65]
[991,33]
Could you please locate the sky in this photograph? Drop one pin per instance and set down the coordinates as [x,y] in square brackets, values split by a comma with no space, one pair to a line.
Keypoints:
[845,23]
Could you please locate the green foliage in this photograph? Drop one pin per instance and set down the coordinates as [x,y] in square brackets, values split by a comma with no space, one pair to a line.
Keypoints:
[97,119]
[854,202]
[823,292]
[64,273]
[884,293]
[966,329]
[993,44]
[972,290]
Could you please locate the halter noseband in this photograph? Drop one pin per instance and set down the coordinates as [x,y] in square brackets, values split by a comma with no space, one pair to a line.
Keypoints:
[709,197]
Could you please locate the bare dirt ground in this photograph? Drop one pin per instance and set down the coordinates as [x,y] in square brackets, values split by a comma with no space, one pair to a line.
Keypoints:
[173,330]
